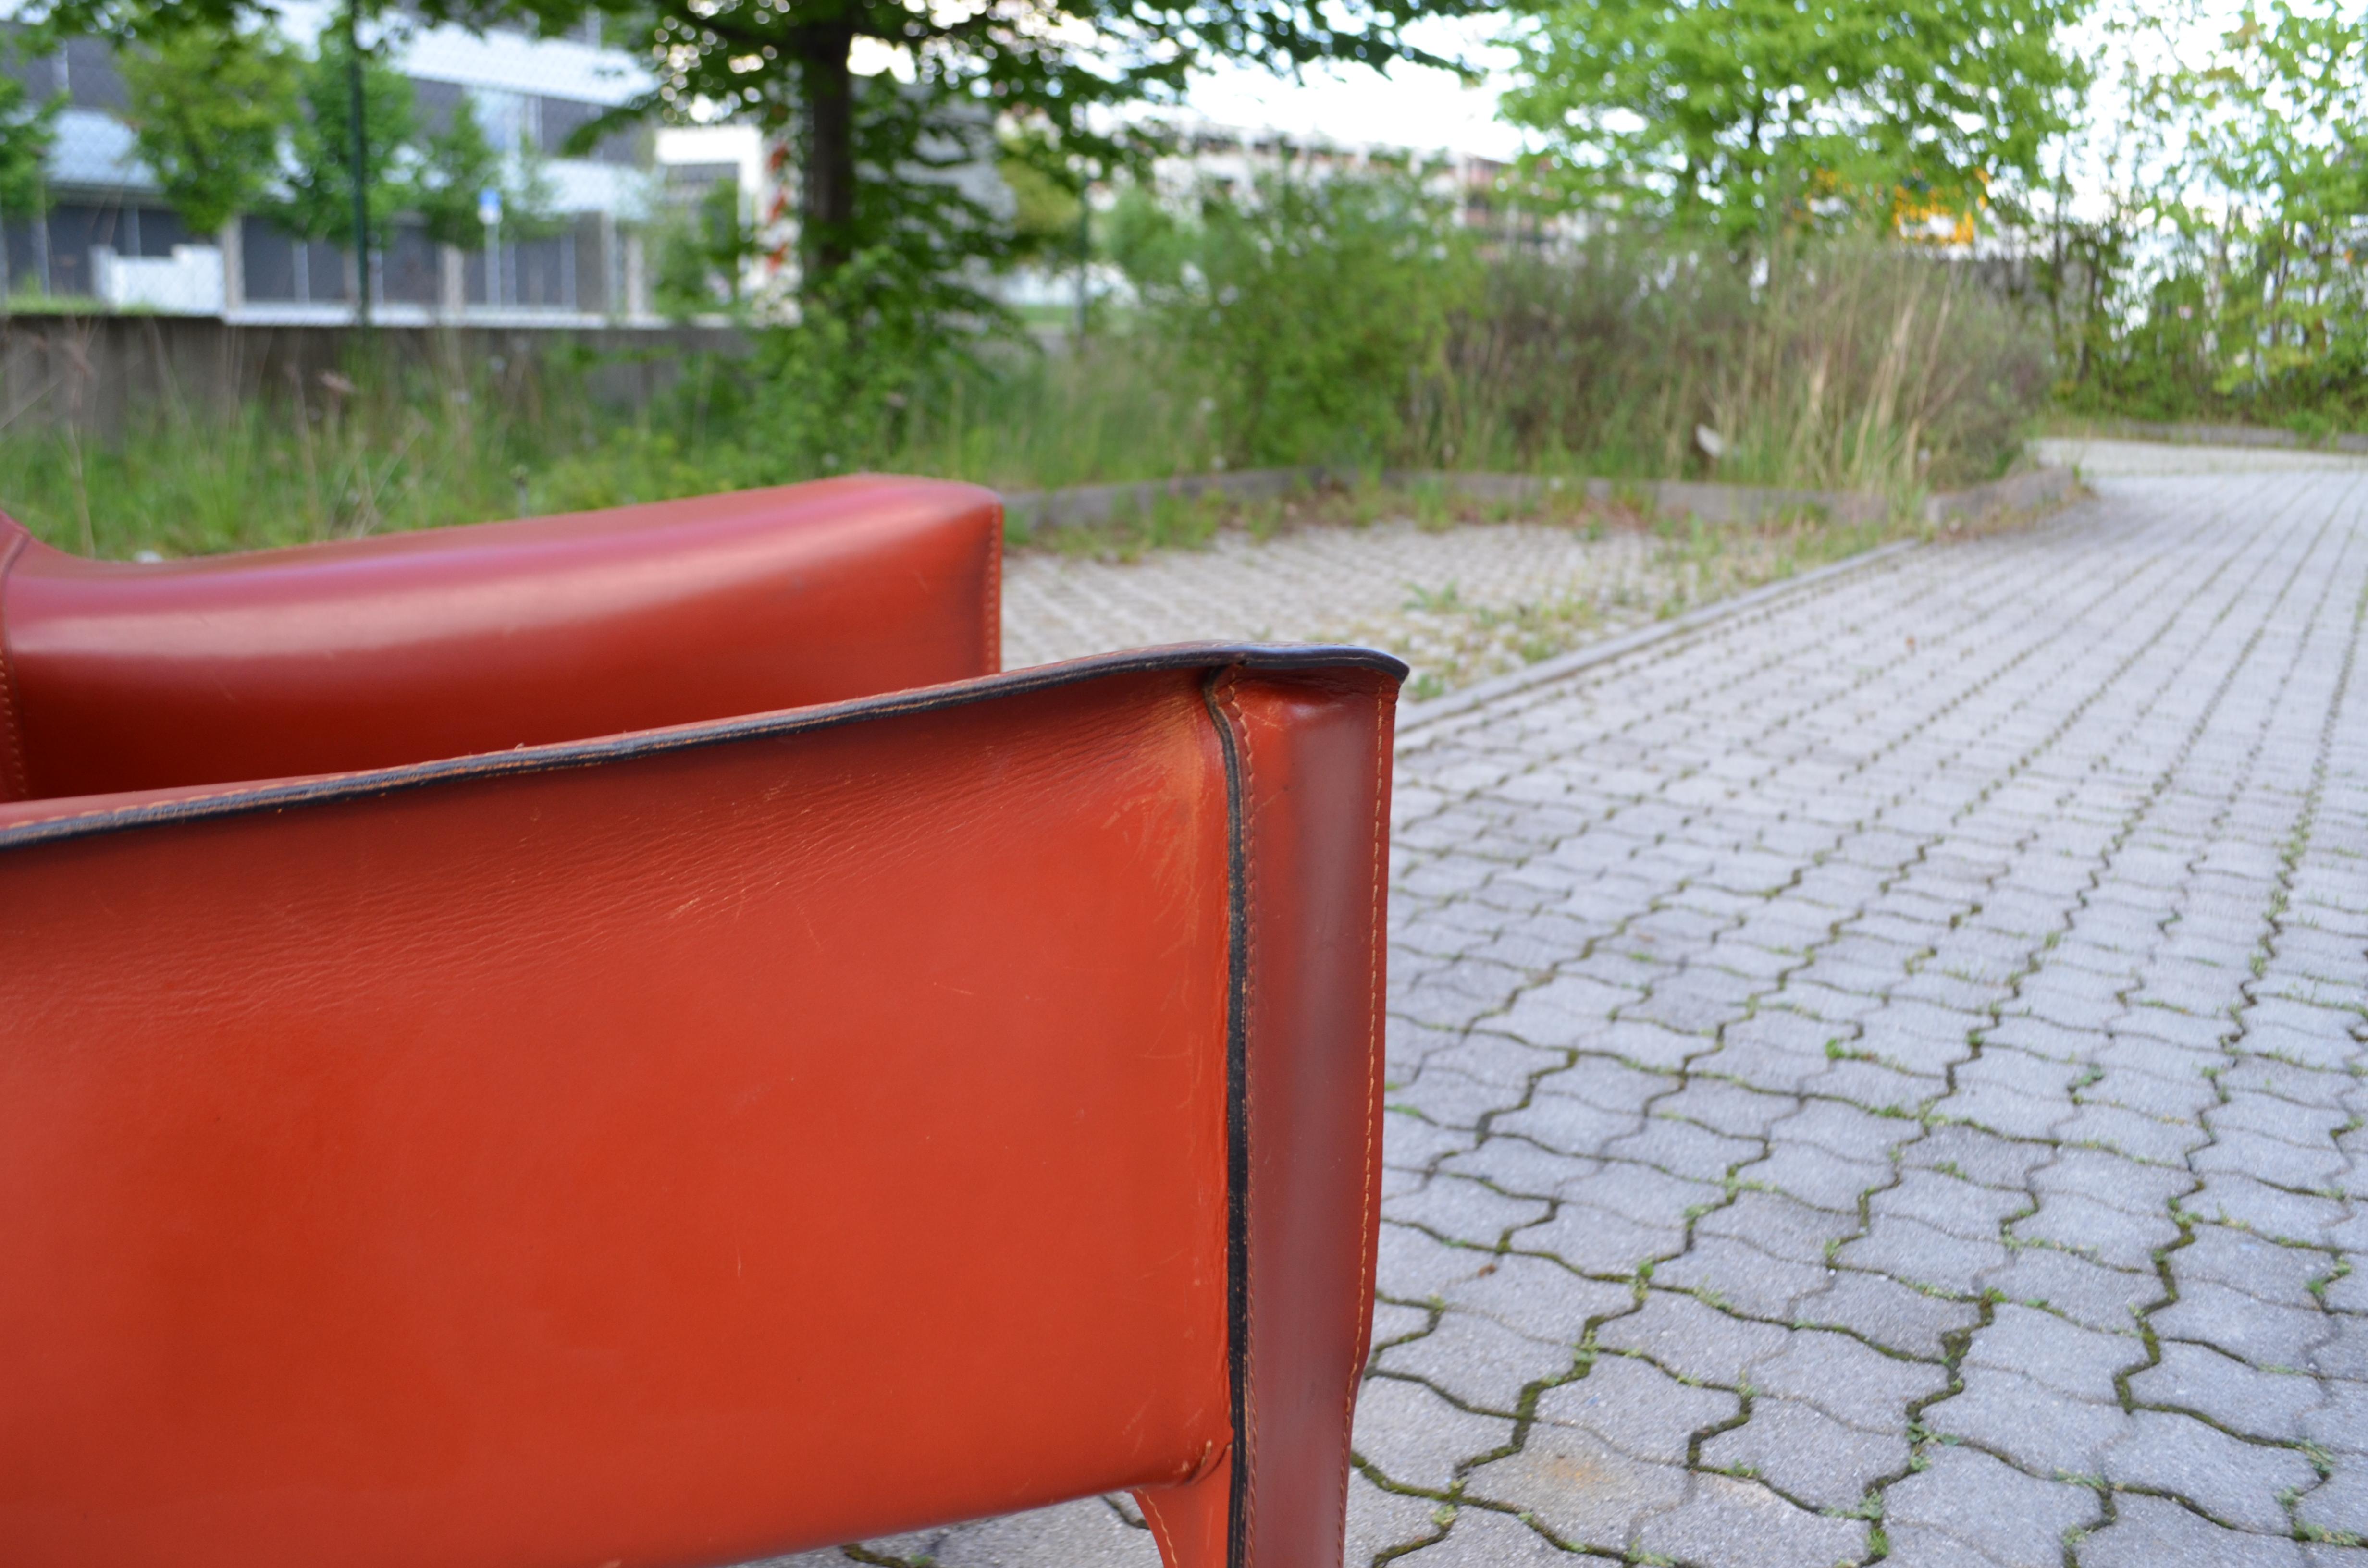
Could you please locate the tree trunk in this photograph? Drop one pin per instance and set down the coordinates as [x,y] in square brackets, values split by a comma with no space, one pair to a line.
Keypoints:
[827,177]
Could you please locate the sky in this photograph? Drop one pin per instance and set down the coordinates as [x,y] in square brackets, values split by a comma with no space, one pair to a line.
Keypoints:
[1410,106]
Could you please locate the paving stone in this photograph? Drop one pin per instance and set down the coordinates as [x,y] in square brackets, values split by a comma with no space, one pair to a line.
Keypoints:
[1947,1203]
[1383,1521]
[2271,1160]
[1883,1088]
[1578,1486]
[1727,1109]
[2110,1180]
[2339,1504]
[1845,1131]
[828,1557]
[1450,1099]
[1493,1058]
[1692,1340]
[1391,1322]
[1729,1523]
[2231,1321]
[2156,1532]
[1912,1250]
[1518,1166]
[1413,1266]
[2087,1293]
[1816,1177]
[2340,1422]
[1089,1534]
[1416,1438]
[1886,1312]
[2310,1086]
[2088,765]
[2065,1357]
[2229,1393]
[1976,1156]
[1974,1501]
[1479,1538]
[1730,1273]
[2095,1230]
[2236,1483]
[2152,1096]
[1779,1225]
[1847,1380]
[1476,1361]
[2343,1351]
[1642,1192]
[2125,1131]
[1454,1209]
[2038,1428]
[1538,1299]
[2272,1116]
[1411,1142]
[1683,1149]
[1608,1084]
[1599,1242]
[1806,1454]
[2262,1269]
[1637,1408]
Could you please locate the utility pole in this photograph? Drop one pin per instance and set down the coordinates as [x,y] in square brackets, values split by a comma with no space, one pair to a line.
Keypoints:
[354,107]
[1084,246]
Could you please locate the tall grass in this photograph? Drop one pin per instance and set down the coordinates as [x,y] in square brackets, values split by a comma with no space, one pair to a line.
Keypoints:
[1311,331]
[1842,367]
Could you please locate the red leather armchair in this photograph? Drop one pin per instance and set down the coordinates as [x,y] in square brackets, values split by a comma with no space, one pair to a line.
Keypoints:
[620,1039]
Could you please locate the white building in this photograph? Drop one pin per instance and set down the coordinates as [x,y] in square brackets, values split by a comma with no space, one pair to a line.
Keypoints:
[110,239]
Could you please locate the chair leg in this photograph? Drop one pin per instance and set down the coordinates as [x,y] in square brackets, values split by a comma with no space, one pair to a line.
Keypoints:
[1192,1522]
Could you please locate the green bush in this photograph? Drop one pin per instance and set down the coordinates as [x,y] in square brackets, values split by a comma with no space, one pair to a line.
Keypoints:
[1344,322]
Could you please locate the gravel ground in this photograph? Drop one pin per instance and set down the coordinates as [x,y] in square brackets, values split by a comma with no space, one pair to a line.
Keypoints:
[1458,603]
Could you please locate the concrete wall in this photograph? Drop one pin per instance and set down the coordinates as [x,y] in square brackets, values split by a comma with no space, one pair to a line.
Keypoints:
[107,373]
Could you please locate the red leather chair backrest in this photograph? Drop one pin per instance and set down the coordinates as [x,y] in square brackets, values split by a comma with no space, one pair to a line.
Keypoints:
[376,652]
[709,1143]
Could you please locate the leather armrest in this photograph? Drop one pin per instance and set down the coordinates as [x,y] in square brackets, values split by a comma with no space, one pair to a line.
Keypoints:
[707,1143]
[385,651]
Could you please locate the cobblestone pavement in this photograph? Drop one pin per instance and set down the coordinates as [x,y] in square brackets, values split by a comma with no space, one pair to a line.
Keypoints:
[1882,1078]
[1458,604]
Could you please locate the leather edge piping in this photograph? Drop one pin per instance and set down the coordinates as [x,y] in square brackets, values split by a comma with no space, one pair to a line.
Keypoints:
[991,630]
[1230,743]
[235,800]
[16,767]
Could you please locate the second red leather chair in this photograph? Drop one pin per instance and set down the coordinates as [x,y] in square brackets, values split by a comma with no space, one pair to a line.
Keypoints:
[883,1093]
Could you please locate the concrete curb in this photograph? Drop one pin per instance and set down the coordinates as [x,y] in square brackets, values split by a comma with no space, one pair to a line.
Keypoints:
[1086,505]
[2224,435]
[2015,493]
[1417,717]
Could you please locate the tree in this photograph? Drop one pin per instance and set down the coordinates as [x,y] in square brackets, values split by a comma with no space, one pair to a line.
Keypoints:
[872,150]
[27,131]
[2278,142]
[1754,115]
[459,164]
[320,200]
[875,152]
[210,105]
[1309,306]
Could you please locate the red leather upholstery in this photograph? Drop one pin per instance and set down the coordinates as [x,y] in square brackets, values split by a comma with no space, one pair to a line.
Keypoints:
[693,1144]
[375,653]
